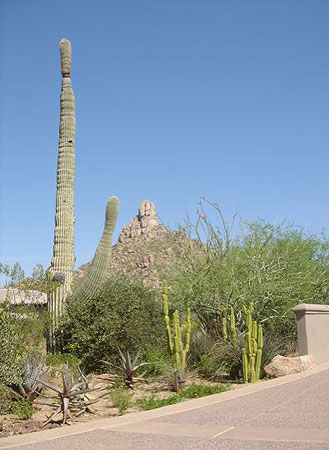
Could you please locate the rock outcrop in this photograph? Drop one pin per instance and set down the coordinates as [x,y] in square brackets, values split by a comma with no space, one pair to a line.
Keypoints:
[145,223]
[18,296]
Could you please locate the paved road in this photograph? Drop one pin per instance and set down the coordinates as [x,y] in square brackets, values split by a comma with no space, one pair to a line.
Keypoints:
[286,414]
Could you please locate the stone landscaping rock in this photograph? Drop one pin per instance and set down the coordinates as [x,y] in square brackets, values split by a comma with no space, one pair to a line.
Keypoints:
[281,365]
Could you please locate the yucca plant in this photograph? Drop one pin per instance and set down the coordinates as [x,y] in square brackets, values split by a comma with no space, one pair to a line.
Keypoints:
[72,396]
[31,386]
[129,367]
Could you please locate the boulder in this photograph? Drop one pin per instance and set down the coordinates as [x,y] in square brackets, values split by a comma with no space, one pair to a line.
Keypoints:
[281,365]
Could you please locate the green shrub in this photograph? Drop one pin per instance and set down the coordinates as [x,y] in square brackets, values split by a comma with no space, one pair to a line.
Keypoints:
[14,404]
[125,314]
[121,398]
[201,390]
[5,400]
[151,403]
[22,408]
[12,344]
[193,391]
[275,267]
[158,355]
[57,361]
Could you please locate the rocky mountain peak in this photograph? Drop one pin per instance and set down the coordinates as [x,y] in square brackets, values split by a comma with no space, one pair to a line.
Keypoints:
[144,223]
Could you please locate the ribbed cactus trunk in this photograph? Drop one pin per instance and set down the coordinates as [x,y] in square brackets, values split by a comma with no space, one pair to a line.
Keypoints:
[62,263]
[98,270]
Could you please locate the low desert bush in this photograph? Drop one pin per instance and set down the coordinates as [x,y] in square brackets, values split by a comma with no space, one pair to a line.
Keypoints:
[121,398]
[13,344]
[125,315]
[192,391]
[14,404]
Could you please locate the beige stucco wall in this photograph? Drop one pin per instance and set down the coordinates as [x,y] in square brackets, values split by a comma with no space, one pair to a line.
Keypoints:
[313,331]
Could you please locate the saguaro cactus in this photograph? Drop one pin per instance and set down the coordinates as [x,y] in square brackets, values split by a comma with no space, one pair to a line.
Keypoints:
[174,338]
[62,263]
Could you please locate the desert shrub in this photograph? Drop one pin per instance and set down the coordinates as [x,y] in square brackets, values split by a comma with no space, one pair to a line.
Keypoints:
[22,408]
[56,362]
[32,322]
[215,359]
[121,398]
[14,404]
[192,391]
[152,402]
[157,355]
[125,314]
[13,344]
[275,267]
[5,400]
[14,347]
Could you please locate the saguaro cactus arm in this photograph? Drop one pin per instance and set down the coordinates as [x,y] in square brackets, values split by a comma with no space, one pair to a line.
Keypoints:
[98,270]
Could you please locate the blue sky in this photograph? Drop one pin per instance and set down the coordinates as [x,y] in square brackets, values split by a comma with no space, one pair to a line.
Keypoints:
[175,99]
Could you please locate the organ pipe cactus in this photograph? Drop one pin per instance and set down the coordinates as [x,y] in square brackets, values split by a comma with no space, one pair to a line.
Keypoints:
[174,337]
[233,327]
[252,353]
[62,263]
[224,325]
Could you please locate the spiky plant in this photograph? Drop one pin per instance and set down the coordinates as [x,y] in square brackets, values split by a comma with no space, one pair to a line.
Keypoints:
[30,388]
[72,396]
[62,263]
[129,367]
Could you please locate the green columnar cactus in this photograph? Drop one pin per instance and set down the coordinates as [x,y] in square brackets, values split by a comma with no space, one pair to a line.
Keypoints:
[62,262]
[98,269]
[252,354]
[233,327]
[224,322]
[166,314]
[174,337]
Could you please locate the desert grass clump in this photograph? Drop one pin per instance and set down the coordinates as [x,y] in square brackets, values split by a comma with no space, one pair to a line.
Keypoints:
[121,398]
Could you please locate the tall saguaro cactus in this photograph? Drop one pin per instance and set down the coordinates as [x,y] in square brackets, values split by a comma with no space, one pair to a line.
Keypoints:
[62,263]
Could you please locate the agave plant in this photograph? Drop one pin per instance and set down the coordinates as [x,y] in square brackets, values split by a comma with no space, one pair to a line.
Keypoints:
[129,367]
[31,386]
[73,396]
